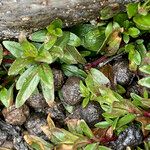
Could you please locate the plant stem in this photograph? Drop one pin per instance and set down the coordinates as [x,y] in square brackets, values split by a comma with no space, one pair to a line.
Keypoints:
[95,63]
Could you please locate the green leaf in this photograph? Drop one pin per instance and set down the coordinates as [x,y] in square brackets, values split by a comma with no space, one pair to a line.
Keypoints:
[75,54]
[134,56]
[145,69]
[14,47]
[3,97]
[56,52]
[55,28]
[102,124]
[62,41]
[71,70]
[10,95]
[145,82]
[121,18]
[24,76]
[27,88]
[94,39]
[93,146]
[99,77]
[44,56]
[147,127]
[49,42]
[85,102]
[74,40]
[109,29]
[38,36]
[126,38]
[132,9]
[6,96]
[134,32]
[120,89]
[84,90]
[115,122]
[29,50]
[48,94]
[86,130]
[142,22]
[125,120]
[18,65]
[1,54]
[46,75]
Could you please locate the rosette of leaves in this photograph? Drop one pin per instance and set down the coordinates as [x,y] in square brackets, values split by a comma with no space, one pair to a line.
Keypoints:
[32,63]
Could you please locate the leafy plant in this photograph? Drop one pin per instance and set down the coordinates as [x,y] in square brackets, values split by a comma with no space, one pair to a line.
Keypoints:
[33,60]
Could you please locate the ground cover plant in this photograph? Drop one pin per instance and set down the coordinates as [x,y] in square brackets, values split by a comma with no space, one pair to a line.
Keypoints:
[82,88]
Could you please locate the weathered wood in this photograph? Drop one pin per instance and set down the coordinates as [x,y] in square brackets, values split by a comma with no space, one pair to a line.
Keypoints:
[31,15]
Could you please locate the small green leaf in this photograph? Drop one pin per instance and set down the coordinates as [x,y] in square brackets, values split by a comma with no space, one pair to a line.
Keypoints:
[93,146]
[75,54]
[71,70]
[10,95]
[55,28]
[86,130]
[132,9]
[3,97]
[99,77]
[94,39]
[135,57]
[46,75]
[145,69]
[56,52]
[125,120]
[121,18]
[142,22]
[134,32]
[27,88]
[85,102]
[126,38]
[44,56]
[147,127]
[24,76]
[38,36]
[109,29]
[102,124]
[18,65]
[29,50]
[74,40]
[145,82]
[120,89]
[48,94]
[84,90]
[115,122]
[14,47]
[49,42]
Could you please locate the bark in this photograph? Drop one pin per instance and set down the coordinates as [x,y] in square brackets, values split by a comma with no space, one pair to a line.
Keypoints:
[31,15]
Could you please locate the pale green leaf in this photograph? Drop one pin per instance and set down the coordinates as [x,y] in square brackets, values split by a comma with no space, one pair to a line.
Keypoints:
[24,76]
[18,65]
[145,82]
[14,47]
[48,94]
[27,88]
[46,75]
